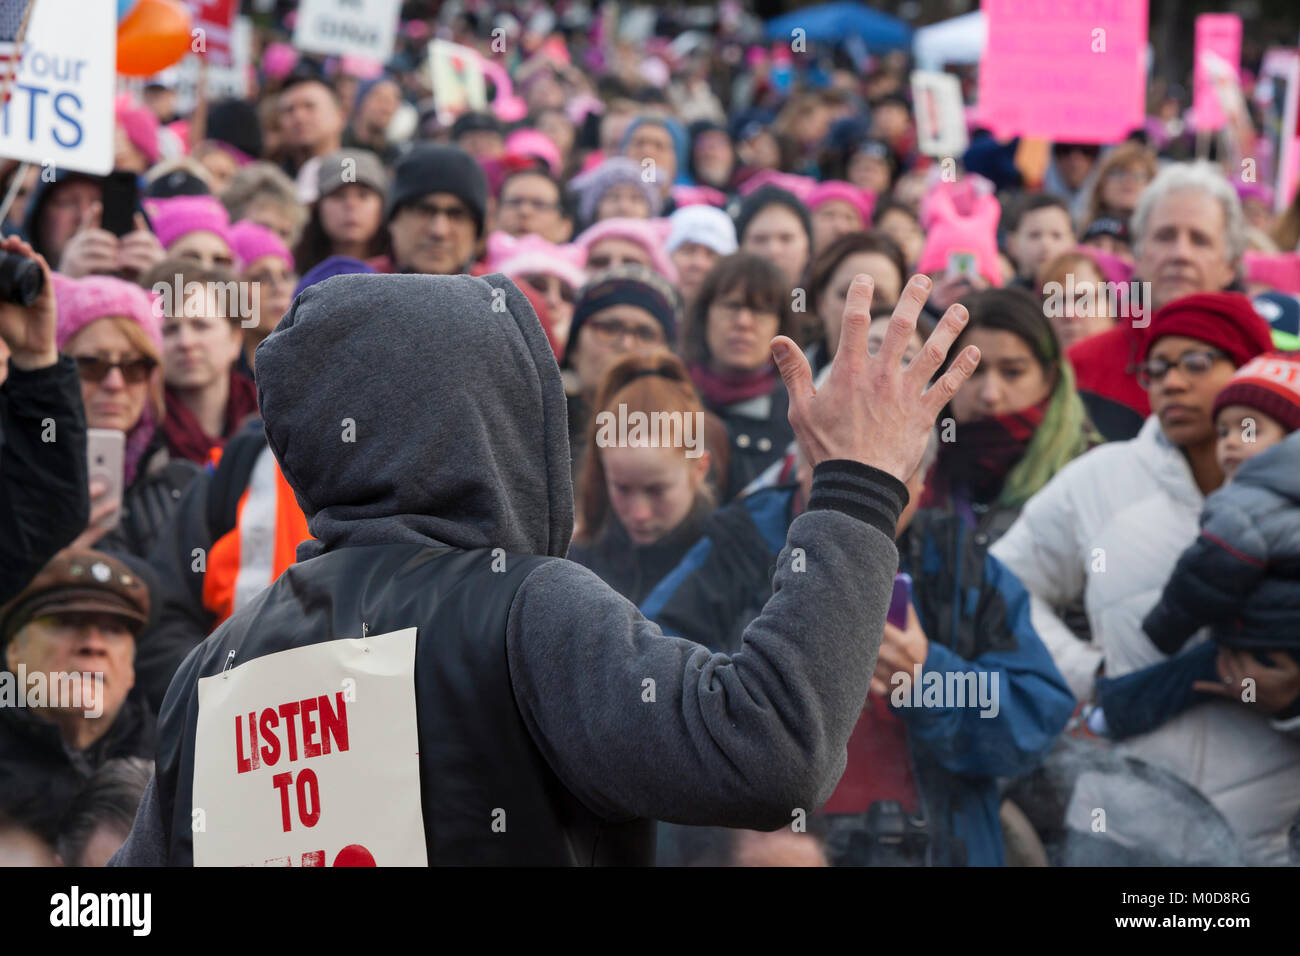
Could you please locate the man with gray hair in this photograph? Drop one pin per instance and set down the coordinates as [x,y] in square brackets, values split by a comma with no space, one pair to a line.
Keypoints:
[1188,236]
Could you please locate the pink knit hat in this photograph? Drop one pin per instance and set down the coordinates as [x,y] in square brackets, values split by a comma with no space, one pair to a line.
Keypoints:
[529,142]
[1280,271]
[799,186]
[82,301]
[180,215]
[948,230]
[250,242]
[649,234]
[863,200]
[141,128]
[533,255]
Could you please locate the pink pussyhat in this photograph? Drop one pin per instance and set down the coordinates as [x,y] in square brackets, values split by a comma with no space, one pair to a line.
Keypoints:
[948,231]
[250,242]
[531,254]
[799,186]
[180,215]
[80,302]
[862,200]
[649,234]
[278,59]
[530,142]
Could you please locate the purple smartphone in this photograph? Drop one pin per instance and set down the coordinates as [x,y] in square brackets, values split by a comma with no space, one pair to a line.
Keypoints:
[902,598]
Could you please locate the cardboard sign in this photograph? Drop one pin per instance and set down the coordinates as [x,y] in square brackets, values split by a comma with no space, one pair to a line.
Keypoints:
[456,73]
[310,757]
[216,18]
[364,28]
[61,108]
[940,116]
[1218,61]
[1067,70]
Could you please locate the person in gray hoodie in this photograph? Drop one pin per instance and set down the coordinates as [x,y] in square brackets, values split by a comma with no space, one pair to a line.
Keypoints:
[420,421]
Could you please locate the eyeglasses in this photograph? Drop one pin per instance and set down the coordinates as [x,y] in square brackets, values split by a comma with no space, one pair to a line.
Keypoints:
[610,331]
[519,202]
[1194,364]
[92,368]
[731,311]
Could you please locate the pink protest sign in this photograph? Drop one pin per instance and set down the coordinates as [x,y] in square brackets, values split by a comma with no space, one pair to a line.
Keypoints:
[1064,70]
[1218,61]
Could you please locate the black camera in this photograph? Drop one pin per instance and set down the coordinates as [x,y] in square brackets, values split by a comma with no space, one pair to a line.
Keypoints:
[21,279]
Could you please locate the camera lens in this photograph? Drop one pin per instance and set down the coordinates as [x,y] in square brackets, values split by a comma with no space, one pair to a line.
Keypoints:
[21,279]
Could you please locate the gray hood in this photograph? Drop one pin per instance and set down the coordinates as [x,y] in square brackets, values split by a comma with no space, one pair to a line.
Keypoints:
[461,432]
[1277,469]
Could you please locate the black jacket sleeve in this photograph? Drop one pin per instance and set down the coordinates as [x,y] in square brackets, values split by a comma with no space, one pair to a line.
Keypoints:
[44,493]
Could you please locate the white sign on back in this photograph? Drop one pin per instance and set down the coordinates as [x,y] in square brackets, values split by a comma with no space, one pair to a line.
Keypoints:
[61,108]
[310,757]
[365,28]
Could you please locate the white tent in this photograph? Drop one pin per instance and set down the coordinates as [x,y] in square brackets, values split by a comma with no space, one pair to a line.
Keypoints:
[959,40]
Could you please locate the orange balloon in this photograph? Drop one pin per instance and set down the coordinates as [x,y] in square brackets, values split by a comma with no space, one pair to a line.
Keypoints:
[152,37]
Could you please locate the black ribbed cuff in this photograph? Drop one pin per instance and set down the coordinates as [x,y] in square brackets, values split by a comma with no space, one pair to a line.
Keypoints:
[860,491]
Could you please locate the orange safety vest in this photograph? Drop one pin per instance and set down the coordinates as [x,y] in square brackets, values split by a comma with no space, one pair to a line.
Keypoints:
[269,526]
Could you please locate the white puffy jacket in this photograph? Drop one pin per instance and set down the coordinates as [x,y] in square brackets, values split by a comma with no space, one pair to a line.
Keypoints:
[1110,527]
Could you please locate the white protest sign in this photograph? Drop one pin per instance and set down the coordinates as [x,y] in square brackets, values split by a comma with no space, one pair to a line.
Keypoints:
[456,74]
[940,119]
[310,757]
[364,28]
[61,108]
[223,81]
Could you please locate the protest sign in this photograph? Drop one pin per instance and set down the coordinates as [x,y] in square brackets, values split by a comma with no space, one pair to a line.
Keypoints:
[215,19]
[310,757]
[1064,70]
[456,73]
[1277,93]
[364,28]
[60,111]
[940,116]
[1218,62]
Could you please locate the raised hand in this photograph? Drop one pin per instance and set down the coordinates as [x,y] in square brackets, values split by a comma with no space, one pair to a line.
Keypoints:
[871,409]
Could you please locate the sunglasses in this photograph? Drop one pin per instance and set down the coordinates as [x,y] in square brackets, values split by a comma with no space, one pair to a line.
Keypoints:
[91,368]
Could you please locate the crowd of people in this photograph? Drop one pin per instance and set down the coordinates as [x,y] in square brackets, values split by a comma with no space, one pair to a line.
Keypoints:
[1104,529]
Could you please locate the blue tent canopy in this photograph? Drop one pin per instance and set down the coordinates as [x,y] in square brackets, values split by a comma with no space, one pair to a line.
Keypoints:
[839,21]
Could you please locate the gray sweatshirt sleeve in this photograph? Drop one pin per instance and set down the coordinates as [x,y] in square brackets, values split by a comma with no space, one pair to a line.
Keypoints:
[637,724]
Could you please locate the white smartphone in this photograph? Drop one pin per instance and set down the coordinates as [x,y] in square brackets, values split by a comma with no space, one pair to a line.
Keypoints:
[106,454]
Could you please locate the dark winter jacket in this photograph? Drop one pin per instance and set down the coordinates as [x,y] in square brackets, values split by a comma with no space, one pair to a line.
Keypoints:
[462,450]
[40,774]
[148,504]
[44,498]
[976,616]
[760,432]
[1242,574]
[632,569]
[206,510]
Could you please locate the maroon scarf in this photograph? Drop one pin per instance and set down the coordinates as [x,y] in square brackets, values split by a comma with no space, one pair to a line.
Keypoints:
[983,454]
[722,389]
[185,436]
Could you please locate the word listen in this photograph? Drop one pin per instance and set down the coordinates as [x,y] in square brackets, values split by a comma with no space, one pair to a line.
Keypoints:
[315,741]
[333,723]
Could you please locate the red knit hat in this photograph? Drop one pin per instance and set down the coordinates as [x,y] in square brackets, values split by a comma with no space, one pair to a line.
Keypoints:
[1225,320]
[1269,383]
